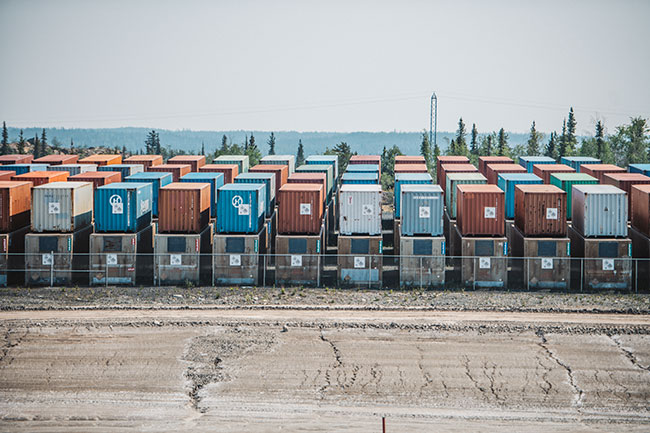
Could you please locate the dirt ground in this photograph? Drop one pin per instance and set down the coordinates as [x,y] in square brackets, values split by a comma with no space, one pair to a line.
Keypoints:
[313,369]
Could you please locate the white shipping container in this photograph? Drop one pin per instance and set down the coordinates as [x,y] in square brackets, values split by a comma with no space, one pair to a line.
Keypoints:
[599,210]
[360,209]
[62,207]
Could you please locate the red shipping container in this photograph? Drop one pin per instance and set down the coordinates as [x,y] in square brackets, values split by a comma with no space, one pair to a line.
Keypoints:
[599,170]
[57,159]
[146,160]
[7,175]
[195,161]
[480,210]
[301,208]
[448,160]
[540,210]
[15,205]
[281,175]
[98,178]
[625,181]
[230,171]
[365,159]
[485,160]
[640,210]
[453,168]
[177,170]
[183,207]
[102,160]
[306,177]
[492,171]
[410,168]
[544,171]
[42,177]
[16,159]
[408,159]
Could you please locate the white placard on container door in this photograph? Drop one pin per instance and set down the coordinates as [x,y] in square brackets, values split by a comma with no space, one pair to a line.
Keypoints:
[608,264]
[175,259]
[54,207]
[305,208]
[551,213]
[484,263]
[117,207]
[235,260]
[359,262]
[547,263]
[111,259]
[296,260]
[244,209]
[425,212]
[489,212]
[47,259]
[366,209]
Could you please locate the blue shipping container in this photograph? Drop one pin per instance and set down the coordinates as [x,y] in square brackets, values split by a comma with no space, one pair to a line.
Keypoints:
[639,168]
[123,207]
[422,207]
[125,169]
[362,178]
[24,168]
[362,168]
[240,208]
[408,179]
[576,161]
[528,161]
[214,179]
[325,159]
[507,182]
[157,180]
[267,179]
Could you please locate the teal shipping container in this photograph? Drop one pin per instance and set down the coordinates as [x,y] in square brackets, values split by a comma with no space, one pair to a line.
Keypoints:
[214,179]
[507,183]
[240,208]
[639,168]
[267,179]
[328,169]
[455,179]
[576,161]
[242,161]
[333,160]
[362,168]
[24,168]
[360,178]
[528,161]
[157,180]
[565,181]
[408,179]
[123,207]
[125,169]
[422,207]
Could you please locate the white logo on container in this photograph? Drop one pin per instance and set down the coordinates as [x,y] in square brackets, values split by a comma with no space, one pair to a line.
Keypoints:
[296,260]
[242,209]
[366,210]
[305,208]
[54,208]
[111,259]
[551,213]
[116,204]
[425,212]
[47,259]
[235,260]
[490,212]
[484,263]
[175,259]
[359,262]
[608,264]
[547,263]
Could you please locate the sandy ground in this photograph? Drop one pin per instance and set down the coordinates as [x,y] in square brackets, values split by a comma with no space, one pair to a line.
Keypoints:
[317,370]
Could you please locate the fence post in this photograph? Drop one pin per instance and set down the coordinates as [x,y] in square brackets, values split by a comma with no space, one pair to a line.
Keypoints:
[52,269]
[105,271]
[474,270]
[420,273]
[317,273]
[527,265]
[369,271]
[264,259]
[582,265]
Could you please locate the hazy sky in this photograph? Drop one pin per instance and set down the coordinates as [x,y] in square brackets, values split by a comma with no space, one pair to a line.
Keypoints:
[323,65]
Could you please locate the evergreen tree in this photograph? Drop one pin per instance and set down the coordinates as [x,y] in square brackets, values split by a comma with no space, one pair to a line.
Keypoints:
[563,140]
[451,150]
[487,143]
[246,143]
[551,147]
[343,151]
[4,150]
[71,146]
[224,144]
[534,141]
[502,143]
[638,142]
[300,156]
[425,150]
[158,147]
[123,152]
[36,147]
[271,143]
[150,143]
[43,151]
[570,141]
[254,154]
[21,143]
[473,149]
[600,140]
[433,167]
[461,143]
[202,148]
[251,141]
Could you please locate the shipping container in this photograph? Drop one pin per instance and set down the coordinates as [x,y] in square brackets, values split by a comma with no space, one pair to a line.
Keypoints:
[576,162]
[362,168]
[41,177]
[453,168]
[102,160]
[238,260]
[545,170]
[62,206]
[123,207]
[15,205]
[12,257]
[365,159]
[639,168]
[640,210]
[57,159]
[358,178]
[214,179]
[125,170]
[565,181]
[146,160]
[599,211]
[451,159]
[485,160]
[23,168]
[300,259]
[410,168]
[157,181]
[288,160]
[267,179]
[242,161]
[360,209]
[6,175]
[493,170]
[328,169]
[529,161]
[599,170]
[183,207]
[16,159]
[422,208]
[410,159]
[73,169]
[301,209]
[625,181]
[240,208]
[480,210]
[332,160]
[97,178]
[281,173]
[230,171]
[507,182]
[484,262]
[455,179]
[408,179]
[195,161]
[183,259]
[177,170]
[360,261]
[422,262]
[540,210]
[641,251]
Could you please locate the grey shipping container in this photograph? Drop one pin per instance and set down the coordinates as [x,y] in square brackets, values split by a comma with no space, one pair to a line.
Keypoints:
[599,211]
[422,207]
[62,206]
[360,209]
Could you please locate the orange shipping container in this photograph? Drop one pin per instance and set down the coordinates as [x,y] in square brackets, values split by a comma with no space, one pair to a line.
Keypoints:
[540,210]
[480,210]
[306,177]
[453,168]
[230,171]
[195,161]
[544,171]
[42,177]
[183,207]
[98,178]
[145,160]
[410,168]
[448,160]
[301,208]
[281,174]
[16,159]
[492,171]
[57,159]
[640,211]
[177,170]
[483,161]
[102,160]
[408,159]
[599,170]
[15,205]
[625,181]
[7,175]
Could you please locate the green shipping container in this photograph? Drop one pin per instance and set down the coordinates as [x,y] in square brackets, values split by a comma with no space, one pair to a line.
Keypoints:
[455,179]
[565,181]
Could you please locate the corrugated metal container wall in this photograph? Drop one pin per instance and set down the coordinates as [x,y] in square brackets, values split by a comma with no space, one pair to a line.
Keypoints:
[24,168]
[62,207]
[230,171]
[545,170]
[97,178]
[410,168]
[408,179]
[455,179]
[240,208]
[625,181]
[214,179]
[529,161]
[301,208]
[184,207]
[125,170]
[281,173]
[599,170]
[540,210]
[316,178]
[157,181]
[333,160]
[177,170]
[123,207]
[492,171]
[639,168]
[194,161]
[288,160]
[485,160]
[599,211]
[15,205]
[242,161]
[102,160]
[16,159]
[565,181]
[57,159]
[507,182]
[267,179]
[641,208]
[328,169]
[146,160]
[422,207]
[73,169]
[365,159]
[453,168]
[358,178]
[481,210]
[6,175]
[42,177]
[362,168]
[410,159]
[360,209]
[448,160]
[576,161]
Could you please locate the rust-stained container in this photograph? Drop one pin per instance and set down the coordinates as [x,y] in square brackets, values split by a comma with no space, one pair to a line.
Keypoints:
[492,171]
[183,207]
[7,175]
[301,208]
[483,161]
[281,175]
[360,261]
[177,170]
[98,178]
[599,170]
[544,171]
[42,177]
[16,159]
[453,168]
[299,260]
[146,160]
[410,168]
[230,171]
[451,159]
[304,177]
[480,210]
[101,160]
[640,210]
[182,259]
[195,161]
[410,159]
[540,210]
[15,205]
[237,258]
[625,181]
[57,159]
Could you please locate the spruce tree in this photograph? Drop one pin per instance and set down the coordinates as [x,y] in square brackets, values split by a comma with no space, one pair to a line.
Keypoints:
[4,150]
[271,143]
[36,148]
[202,148]
[571,141]
[425,150]
[473,150]
[461,143]
[452,147]
[254,154]
[563,140]
[21,143]
[638,142]
[433,167]
[600,140]
[123,152]
[300,156]
[71,146]
[158,146]
[551,147]
[150,143]
[251,141]
[534,140]
[43,143]
[224,143]
[502,143]
[246,143]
